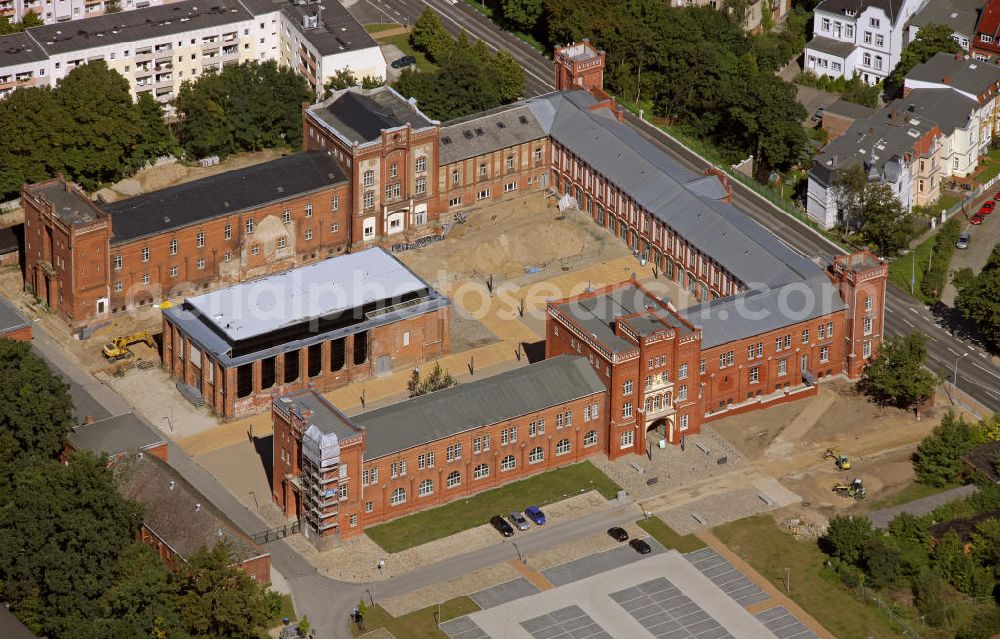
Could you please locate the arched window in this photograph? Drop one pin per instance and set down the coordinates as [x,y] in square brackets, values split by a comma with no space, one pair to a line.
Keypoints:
[454,478]
[508,463]
[563,447]
[590,439]
[536,455]
[481,471]
[398,496]
[426,488]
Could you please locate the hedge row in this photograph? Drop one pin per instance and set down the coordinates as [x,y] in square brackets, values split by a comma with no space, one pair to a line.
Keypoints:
[936,276]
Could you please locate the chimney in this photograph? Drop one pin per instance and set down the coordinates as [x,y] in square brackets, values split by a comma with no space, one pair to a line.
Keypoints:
[946,79]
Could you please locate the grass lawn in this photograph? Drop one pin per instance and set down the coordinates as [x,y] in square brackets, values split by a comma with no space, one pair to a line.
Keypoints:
[901,268]
[287,610]
[462,514]
[947,200]
[385,26]
[419,624]
[912,492]
[668,537]
[992,166]
[767,548]
[403,42]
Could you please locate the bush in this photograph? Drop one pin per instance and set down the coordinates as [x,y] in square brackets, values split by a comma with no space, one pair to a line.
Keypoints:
[935,277]
[846,537]
[960,278]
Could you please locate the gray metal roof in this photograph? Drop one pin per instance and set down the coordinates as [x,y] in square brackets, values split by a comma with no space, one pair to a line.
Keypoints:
[180,515]
[891,8]
[971,76]
[495,399]
[20,48]
[115,435]
[338,31]
[487,132]
[837,48]
[10,318]
[849,110]
[959,15]
[325,415]
[142,24]
[284,299]
[752,313]
[948,109]
[672,193]
[596,315]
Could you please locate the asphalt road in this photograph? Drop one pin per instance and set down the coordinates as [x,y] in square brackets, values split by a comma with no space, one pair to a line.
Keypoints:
[977,374]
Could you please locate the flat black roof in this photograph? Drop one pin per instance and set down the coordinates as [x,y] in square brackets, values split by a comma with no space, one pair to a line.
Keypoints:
[337,30]
[361,116]
[10,318]
[20,48]
[133,26]
[222,194]
[10,238]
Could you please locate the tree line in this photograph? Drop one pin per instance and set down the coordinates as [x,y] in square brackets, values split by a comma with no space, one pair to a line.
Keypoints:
[89,129]
[978,301]
[71,566]
[470,78]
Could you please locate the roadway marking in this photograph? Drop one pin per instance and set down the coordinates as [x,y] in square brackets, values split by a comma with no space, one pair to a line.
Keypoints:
[908,323]
[889,309]
[913,309]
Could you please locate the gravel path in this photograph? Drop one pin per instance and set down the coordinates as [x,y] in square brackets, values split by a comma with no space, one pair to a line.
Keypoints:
[920,507]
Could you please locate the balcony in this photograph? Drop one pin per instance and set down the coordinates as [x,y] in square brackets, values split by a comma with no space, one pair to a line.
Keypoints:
[230,50]
[143,55]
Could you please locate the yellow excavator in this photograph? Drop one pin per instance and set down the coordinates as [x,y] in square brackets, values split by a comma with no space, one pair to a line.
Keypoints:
[843,462]
[854,489]
[118,348]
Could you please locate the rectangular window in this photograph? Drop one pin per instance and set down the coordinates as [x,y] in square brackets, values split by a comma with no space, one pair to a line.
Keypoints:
[627,410]
[421,185]
[369,506]
[504,438]
[368,178]
[365,474]
[627,438]
[119,287]
[369,199]
[199,240]
[421,164]
[455,177]
[825,24]
[821,331]
[335,203]
[118,262]
[250,226]
[174,271]
[309,234]
[754,374]
[513,434]
[309,210]
[229,231]
[782,367]
[477,445]
[824,355]
[145,254]
[805,336]
[286,216]
[200,264]
[867,347]
[255,249]
[173,247]
[682,393]
[627,388]
[684,422]
[682,372]
[868,326]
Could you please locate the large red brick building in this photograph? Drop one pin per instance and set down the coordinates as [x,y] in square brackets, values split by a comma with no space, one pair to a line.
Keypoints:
[321,326]
[343,474]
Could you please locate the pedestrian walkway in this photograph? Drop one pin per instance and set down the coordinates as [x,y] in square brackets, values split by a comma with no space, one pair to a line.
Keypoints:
[534,577]
[920,507]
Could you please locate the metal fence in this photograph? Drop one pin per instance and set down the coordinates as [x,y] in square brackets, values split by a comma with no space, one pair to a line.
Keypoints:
[275,534]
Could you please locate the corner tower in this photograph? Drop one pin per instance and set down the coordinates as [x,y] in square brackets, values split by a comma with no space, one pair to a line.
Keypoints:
[861,279]
[579,65]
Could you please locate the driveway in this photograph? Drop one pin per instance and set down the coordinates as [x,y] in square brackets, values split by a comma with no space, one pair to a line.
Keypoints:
[984,238]
[812,99]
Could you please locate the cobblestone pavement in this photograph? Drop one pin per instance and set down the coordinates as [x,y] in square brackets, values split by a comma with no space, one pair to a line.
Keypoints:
[673,467]
[728,506]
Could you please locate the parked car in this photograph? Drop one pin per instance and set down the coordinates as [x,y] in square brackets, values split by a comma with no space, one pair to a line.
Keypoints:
[518,521]
[640,546]
[977,219]
[987,207]
[997,196]
[618,534]
[502,526]
[963,240]
[402,63]
[535,514]
[818,115]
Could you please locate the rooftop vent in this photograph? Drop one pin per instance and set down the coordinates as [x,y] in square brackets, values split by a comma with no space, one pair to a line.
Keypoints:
[446,140]
[479,131]
[281,189]
[468,134]
[522,119]
[310,22]
[501,125]
[166,220]
[913,133]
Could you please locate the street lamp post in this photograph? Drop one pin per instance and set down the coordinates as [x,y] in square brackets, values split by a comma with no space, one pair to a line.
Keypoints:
[788,576]
[954,379]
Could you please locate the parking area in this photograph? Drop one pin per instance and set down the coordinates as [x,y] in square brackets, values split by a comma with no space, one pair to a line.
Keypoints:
[983,238]
[728,579]
[662,594]
[508,591]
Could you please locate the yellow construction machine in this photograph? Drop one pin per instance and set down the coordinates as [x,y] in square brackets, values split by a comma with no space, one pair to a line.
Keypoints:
[843,462]
[854,489]
[118,349]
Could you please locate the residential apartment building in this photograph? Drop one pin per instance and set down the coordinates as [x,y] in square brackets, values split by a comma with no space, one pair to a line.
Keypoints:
[862,38]
[967,77]
[342,474]
[986,44]
[159,47]
[52,11]
[86,260]
[321,326]
[894,146]
[961,16]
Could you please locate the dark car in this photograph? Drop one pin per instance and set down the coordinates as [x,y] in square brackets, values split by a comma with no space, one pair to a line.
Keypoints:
[502,526]
[618,534]
[535,514]
[402,63]
[976,219]
[640,546]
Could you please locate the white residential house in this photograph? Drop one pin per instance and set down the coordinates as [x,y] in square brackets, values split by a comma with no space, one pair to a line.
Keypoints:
[968,78]
[863,38]
[960,16]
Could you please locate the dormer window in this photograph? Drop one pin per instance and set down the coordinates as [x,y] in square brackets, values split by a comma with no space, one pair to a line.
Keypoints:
[850,12]
[985,38]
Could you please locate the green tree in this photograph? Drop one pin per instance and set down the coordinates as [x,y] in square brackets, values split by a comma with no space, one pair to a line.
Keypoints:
[112,6]
[36,410]
[218,601]
[938,459]
[859,92]
[370,82]
[508,75]
[986,545]
[31,19]
[846,537]
[985,624]
[155,140]
[342,79]
[248,107]
[886,225]
[429,36]
[62,530]
[979,301]
[928,596]
[897,377]
[882,562]
[438,379]
[849,189]
[931,39]
[522,14]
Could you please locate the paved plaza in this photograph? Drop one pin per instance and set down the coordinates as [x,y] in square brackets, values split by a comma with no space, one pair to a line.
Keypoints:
[664,595]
